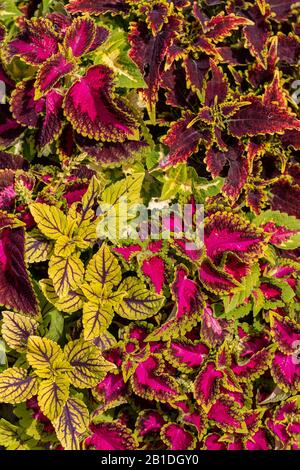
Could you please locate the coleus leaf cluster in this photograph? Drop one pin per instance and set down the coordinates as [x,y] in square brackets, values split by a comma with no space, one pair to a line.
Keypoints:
[148,342]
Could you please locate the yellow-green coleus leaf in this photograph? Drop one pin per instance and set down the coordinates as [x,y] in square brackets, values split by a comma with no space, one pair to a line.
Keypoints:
[16,329]
[66,273]
[16,386]
[72,423]
[104,268]
[51,221]
[89,366]
[139,302]
[9,436]
[46,357]
[96,318]
[37,248]
[99,293]
[72,302]
[52,396]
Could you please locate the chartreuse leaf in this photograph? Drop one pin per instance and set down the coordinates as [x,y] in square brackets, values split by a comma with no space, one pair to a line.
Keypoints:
[51,221]
[88,201]
[96,318]
[46,357]
[247,286]
[72,423]
[37,249]
[9,437]
[66,273]
[117,199]
[139,302]
[104,268]
[53,395]
[16,330]
[16,386]
[69,304]
[89,366]
[114,54]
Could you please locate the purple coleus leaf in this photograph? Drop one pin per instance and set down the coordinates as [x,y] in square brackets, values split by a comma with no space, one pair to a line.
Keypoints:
[227,415]
[110,153]
[154,268]
[100,37]
[7,192]
[149,421]
[80,36]
[2,32]
[149,383]
[16,291]
[215,279]
[50,73]
[284,197]
[258,32]
[186,355]
[186,313]
[98,7]
[266,115]
[110,392]
[60,23]
[128,251]
[213,330]
[183,140]
[52,122]
[254,366]
[23,105]
[110,436]
[36,43]
[206,386]
[238,167]
[176,437]
[286,333]
[11,161]
[285,370]
[258,441]
[226,232]
[90,107]
[149,51]
[281,9]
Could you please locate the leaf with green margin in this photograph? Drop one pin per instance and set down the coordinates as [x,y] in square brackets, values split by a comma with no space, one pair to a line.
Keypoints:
[139,302]
[52,396]
[16,386]
[56,326]
[285,221]
[72,424]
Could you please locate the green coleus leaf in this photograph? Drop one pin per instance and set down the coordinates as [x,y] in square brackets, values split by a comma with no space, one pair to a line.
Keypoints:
[16,386]
[52,396]
[139,302]
[104,268]
[46,357]
[89,366]
[16,329]
[72,423]
[66,273]
[114,54]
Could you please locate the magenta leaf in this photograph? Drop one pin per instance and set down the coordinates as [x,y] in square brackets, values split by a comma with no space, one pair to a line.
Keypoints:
[80,36]
[227,415]
[90,107]
[206,386]
[285,370]
[176,437]
[98,7]
[36,43]
[110,436]
[52,123]
[154,268]
[51,72]
[149,383]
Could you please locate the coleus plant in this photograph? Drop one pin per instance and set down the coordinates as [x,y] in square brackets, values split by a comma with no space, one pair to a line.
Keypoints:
[147,341]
